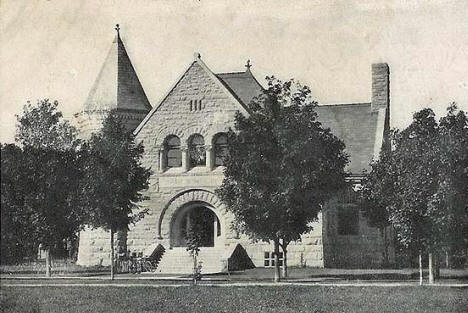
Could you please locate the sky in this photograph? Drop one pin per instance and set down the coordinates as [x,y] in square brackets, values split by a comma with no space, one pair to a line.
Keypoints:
[54,49]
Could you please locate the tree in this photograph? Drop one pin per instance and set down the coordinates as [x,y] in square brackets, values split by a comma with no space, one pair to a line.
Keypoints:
[377,194]
[42,194]
[114,179]
[420,186]
[42,126]
[194,240]
[415,166]
[281,168]
[448,207]
[16,225]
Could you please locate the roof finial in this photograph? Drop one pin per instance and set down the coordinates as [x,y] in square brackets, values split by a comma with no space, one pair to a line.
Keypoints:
[117,28]
[248,65]
[196,56]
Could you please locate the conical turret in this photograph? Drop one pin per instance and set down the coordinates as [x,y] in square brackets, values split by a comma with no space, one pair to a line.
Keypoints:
[117,87]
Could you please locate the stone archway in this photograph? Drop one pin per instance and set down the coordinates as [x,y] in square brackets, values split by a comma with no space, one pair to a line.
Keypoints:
[188,200]
[199,217]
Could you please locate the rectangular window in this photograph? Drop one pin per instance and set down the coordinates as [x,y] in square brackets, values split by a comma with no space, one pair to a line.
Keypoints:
[348,220]
[269,259]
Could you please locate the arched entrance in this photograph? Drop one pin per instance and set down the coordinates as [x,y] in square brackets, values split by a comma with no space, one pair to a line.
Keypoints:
[195,219]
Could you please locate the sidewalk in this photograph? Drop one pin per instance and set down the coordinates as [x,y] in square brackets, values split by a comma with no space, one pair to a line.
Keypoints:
[254,277]
[236,284]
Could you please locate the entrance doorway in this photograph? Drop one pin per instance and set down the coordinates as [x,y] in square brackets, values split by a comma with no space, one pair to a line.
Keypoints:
[195,220]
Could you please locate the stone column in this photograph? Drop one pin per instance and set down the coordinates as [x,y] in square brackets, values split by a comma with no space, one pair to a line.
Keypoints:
[185,159]
[188,224]
[162,159]
[215,228]
[209,157]
[187,221]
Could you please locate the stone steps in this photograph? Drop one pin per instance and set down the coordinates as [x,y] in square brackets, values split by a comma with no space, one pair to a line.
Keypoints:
[179,261]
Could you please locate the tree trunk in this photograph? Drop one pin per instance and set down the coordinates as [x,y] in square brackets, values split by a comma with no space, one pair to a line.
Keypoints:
[383,234]
[447,262]
[194,269]
[437,266]
[284,247]
[431,268]
[48,263]
[277,268]
[420,269]
[285,263]
[112,254]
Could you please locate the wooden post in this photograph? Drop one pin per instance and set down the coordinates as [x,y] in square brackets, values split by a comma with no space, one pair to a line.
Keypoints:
[112,254]
[420,269]
[431,268]
[48,265]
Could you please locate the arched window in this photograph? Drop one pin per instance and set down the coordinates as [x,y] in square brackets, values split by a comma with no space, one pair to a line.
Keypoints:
[197,150]
[220,149]
[173,153]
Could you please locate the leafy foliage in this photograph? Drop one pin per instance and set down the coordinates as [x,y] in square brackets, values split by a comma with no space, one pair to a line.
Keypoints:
[42,126]
[40,193]
[114,177]
[448,207]
[420,186]
[282,164]
[16,221]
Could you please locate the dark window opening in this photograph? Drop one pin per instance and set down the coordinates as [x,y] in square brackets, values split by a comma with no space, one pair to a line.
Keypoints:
[173,153]
[221,149]
[197,151]
[348,220]
[269,259]
[196,105]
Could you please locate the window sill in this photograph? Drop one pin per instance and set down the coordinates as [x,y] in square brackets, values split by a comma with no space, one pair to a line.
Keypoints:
[198,169]
[173,170]
[194,170]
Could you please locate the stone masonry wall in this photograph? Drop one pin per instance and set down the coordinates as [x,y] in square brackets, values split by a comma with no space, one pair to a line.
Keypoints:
[363,250]
[380,86]
[174,117]
[94,244]
[322,247]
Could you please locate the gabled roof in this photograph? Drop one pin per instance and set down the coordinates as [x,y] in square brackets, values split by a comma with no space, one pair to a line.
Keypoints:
[360,129]
[117,85]
[224,86]
[242,84]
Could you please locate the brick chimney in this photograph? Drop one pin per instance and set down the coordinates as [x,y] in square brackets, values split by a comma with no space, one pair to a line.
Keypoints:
[380,86]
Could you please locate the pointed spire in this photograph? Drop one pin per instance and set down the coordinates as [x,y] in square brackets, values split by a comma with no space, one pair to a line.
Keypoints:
[117,85]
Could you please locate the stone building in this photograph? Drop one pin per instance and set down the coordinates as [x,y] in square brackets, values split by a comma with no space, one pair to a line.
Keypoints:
[184,139]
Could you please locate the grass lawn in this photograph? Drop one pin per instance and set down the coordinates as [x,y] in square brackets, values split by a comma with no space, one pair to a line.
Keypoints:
[59,267]
[297,273]
[234,299]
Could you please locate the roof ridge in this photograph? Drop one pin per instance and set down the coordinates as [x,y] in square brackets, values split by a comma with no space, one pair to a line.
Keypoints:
[229,73]
[343,104]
